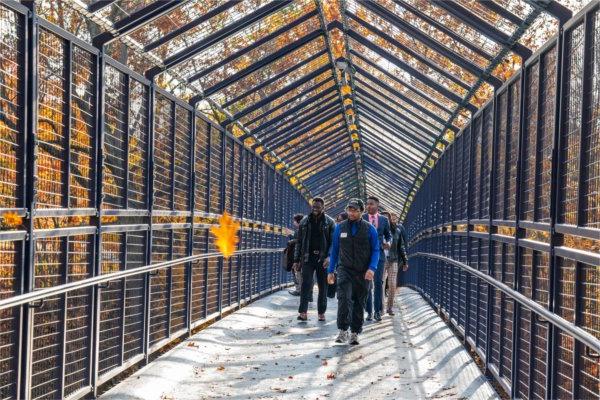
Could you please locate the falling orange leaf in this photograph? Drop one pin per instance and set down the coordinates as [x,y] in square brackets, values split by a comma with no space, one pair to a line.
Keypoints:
[11,220]
[226,234]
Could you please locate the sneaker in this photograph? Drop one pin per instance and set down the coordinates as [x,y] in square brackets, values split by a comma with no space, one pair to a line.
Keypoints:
[390,312]
[377,316]
[294,292]
[342,337]
[369,317]
[353,339]
[321,317]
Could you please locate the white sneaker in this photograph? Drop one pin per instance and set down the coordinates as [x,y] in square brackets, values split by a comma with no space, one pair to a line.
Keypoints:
[342,337]
[353,338]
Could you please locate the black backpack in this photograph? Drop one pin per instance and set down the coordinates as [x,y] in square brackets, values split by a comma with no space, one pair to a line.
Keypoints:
[288,255]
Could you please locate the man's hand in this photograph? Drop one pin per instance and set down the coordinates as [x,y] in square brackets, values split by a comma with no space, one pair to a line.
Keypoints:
[369,275]
[330,279]
[326,263]
[405,267]
[386,246]
[296,266]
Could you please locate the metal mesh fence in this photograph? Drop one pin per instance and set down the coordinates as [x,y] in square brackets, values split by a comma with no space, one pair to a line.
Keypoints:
[541,236]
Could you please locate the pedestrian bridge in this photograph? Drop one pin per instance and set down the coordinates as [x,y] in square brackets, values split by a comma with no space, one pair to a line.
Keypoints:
[153,153]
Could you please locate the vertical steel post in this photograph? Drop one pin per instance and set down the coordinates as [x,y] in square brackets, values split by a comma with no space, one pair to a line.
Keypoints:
[553,277]
[192,208]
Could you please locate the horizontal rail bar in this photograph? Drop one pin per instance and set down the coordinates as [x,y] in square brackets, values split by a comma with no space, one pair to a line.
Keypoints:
[68,287]
[578,333]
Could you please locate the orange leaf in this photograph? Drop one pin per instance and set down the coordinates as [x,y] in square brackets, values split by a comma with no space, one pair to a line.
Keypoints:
[226,234]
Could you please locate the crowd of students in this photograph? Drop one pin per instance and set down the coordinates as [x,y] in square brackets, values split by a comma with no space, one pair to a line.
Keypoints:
[352,258]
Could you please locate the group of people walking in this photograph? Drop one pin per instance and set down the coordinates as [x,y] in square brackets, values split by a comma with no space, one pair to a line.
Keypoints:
[355,254]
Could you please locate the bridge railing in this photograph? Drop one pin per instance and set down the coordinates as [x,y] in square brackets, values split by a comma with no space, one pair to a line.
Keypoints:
[102,172]
[505,230]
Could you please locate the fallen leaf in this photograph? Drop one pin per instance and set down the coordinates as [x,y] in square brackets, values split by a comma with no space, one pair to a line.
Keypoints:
[192,344]
[290,377]
[220,368]
[324,362]
[331,375]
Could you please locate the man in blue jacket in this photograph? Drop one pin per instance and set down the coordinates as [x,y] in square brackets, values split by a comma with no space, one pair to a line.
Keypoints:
[355,254]
[384,235]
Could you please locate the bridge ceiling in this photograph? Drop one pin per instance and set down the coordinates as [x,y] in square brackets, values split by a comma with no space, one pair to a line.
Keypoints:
[345,97]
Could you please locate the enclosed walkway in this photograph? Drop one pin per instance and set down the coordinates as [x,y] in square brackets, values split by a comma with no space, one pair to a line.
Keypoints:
[263,352]
[153,154]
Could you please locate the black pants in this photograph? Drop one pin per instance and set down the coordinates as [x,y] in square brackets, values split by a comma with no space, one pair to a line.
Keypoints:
[352,289]
[308,270]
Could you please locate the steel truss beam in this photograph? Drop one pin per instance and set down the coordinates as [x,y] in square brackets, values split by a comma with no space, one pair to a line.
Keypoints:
[263,63]
[393,90]
[283,139]
[443,28]
[482,26]
[306,105]
[300,122]
[412,71]
[474,69]
[272,36]
[136,20]
[275,95]
[214,38]
[385,118]
[384,106]
[411,31]
[282,75]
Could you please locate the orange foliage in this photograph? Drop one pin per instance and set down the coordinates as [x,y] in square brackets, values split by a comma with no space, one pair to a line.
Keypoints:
[226,235]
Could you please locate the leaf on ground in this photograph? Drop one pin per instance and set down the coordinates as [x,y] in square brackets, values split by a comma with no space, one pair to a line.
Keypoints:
[324,362]
[220,368]
[330,376]
[290,377]
[192,344]
[280,390]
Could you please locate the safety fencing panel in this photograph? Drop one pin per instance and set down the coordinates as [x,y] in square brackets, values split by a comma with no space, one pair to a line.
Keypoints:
[103,173]
[505,230]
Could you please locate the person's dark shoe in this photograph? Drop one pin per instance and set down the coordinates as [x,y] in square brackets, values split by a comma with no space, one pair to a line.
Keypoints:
[302,317]
[321,317]
[390,312]
[377,316]
[369,317]
[294,292]
[353,339]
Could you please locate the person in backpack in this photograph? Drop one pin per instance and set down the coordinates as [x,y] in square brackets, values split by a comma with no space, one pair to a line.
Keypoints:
[311,255]
[354,255]
[289,252]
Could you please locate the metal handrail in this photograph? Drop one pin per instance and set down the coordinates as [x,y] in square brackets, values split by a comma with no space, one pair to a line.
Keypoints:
[578,333]
[42,294]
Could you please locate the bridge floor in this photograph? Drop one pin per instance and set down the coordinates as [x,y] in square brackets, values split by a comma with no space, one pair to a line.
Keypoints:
[263,352]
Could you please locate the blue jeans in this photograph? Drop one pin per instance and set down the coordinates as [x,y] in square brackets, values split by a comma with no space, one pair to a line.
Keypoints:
[376,288]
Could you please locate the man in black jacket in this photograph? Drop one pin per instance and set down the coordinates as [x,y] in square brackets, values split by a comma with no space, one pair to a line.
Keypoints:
[312,254]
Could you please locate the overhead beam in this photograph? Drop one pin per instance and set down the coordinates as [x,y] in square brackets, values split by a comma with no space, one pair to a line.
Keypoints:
[443,28]
[275,95]
[305,106]
[410,101]
[557,10]
[363,94]
[192,24]
[479,24]
[328,117]
[411,70]
[265,39]
[501,11]
[214,38]
[263,63]
[394,78]
[282,75]
[474,69]
[135,20]
[99,5]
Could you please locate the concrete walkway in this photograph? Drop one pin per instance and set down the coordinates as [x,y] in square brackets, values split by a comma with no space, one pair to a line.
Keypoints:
[263,352]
